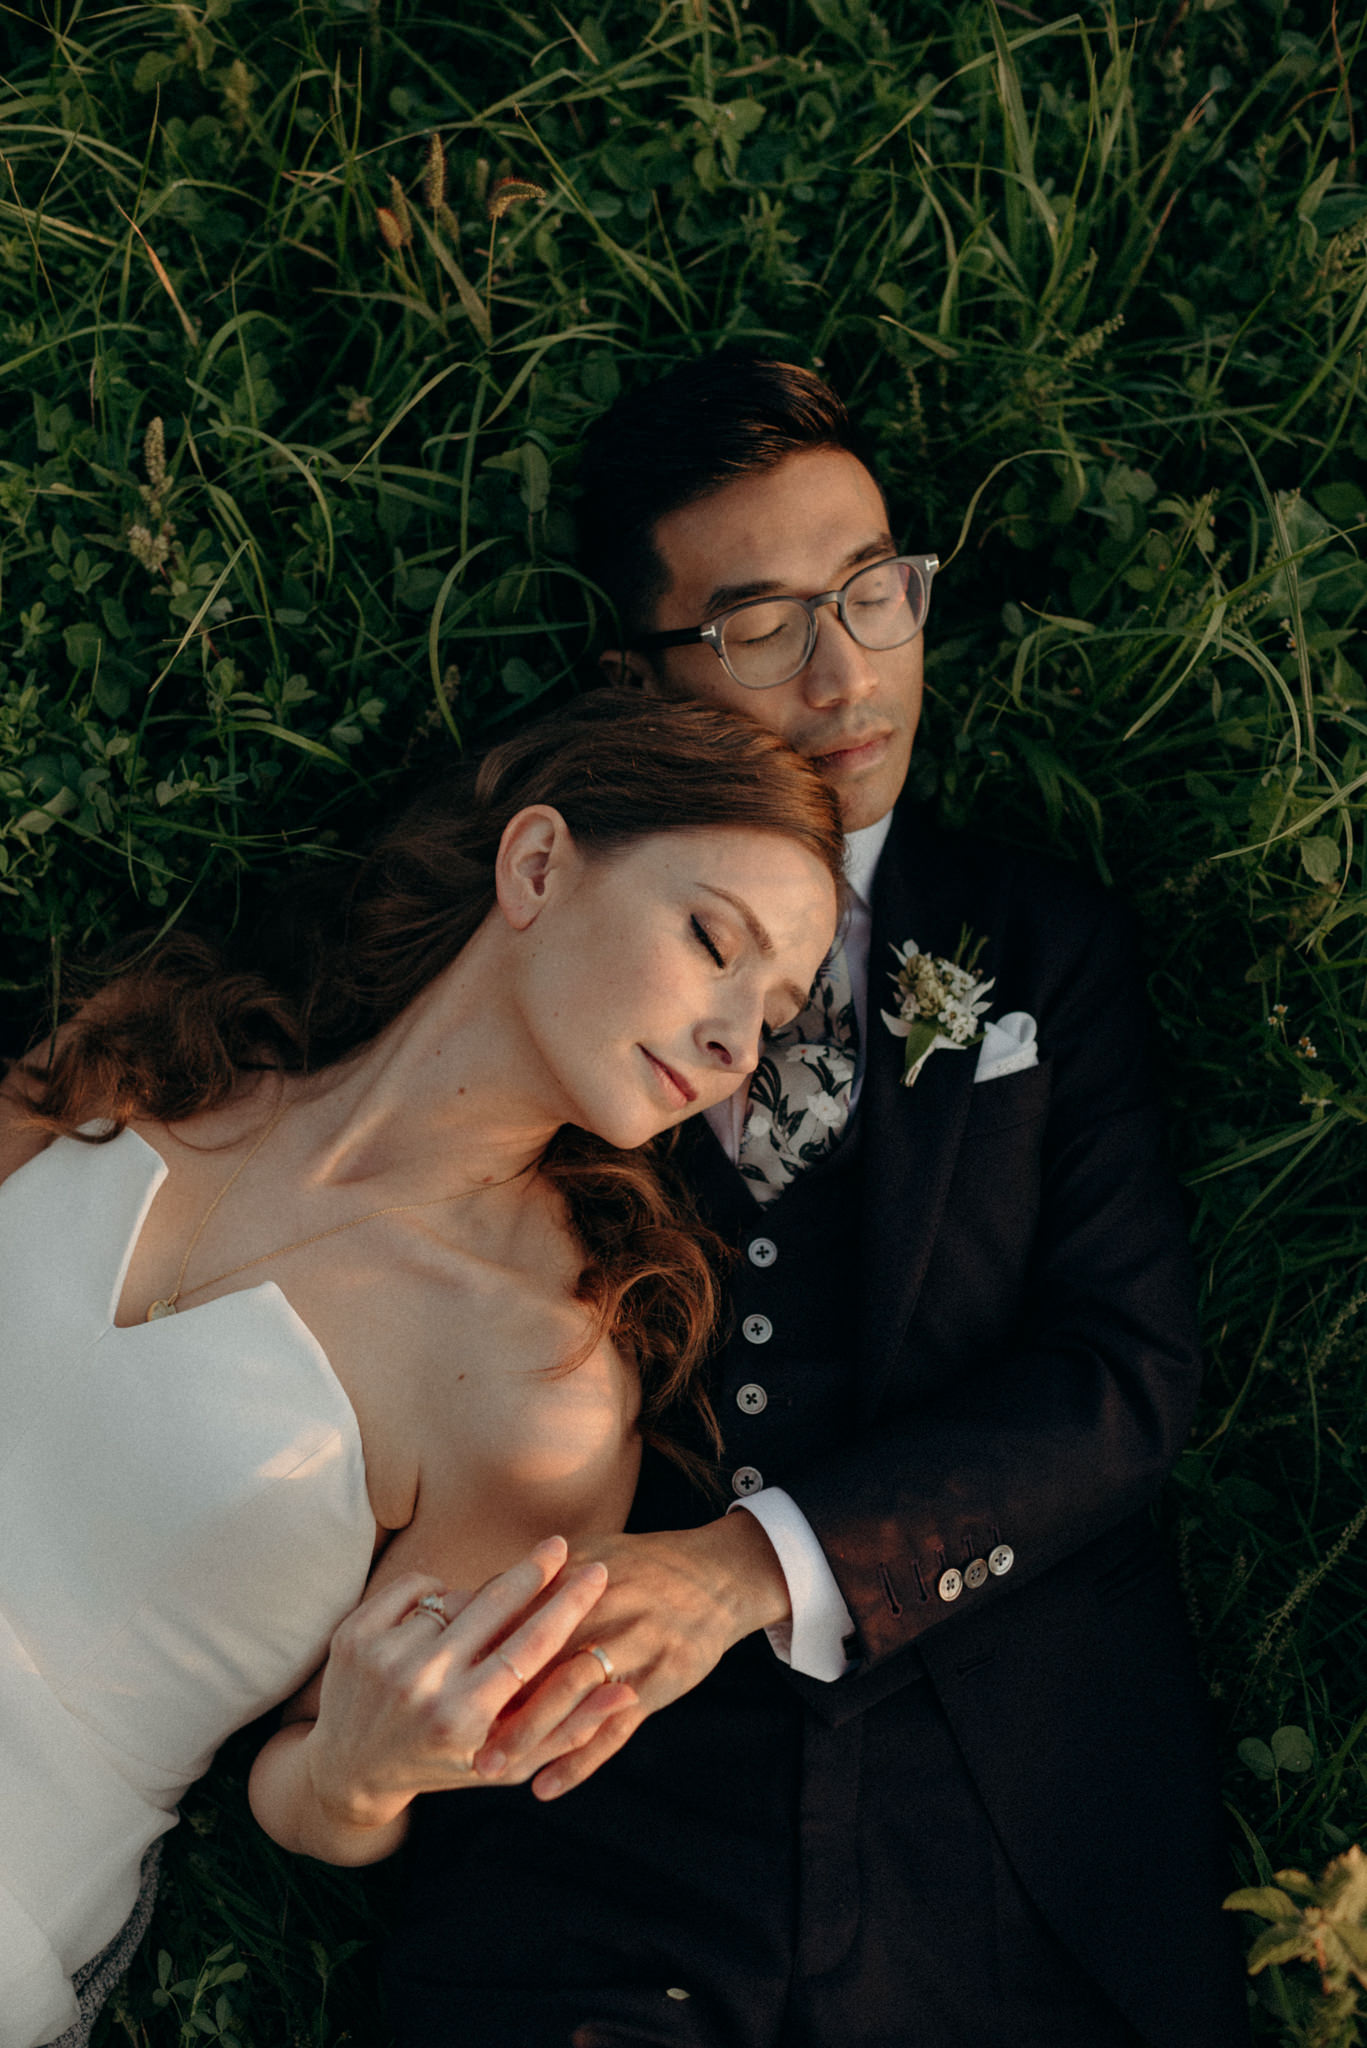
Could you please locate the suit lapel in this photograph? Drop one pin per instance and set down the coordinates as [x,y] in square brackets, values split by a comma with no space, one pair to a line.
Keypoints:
[929,889]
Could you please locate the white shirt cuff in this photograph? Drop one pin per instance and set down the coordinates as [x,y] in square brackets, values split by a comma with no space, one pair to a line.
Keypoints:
[813,1641]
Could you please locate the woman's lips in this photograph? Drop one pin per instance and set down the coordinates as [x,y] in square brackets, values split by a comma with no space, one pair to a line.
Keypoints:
[674,1084]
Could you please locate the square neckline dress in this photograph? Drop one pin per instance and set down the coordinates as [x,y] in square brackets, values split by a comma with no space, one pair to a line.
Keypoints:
[183,1523]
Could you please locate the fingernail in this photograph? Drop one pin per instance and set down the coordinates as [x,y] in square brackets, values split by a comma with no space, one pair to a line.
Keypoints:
[490,1764]
[549,1787]
[595,1571]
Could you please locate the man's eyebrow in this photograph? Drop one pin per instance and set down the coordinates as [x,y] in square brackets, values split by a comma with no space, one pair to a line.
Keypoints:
[763,942]
[727,594]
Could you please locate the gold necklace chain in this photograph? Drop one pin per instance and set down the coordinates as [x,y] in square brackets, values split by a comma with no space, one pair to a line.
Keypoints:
[166,1304]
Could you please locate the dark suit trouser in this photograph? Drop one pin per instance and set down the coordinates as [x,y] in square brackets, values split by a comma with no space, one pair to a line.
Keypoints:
[807,1887]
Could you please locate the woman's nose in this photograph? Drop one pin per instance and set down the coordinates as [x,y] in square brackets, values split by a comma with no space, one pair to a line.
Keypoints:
[732,1042]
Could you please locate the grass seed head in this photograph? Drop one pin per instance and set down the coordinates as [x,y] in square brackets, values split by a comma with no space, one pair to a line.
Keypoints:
[154,454]
[238,86]
[398,209]
[434,174]
[391,229]
[508,192]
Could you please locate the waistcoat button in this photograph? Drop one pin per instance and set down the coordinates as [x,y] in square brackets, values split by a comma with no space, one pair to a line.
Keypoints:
[951,1584]
[975,1574]
[752,1399]
[746,1479]
[761,1251]
[757,1329]
[1001,1560]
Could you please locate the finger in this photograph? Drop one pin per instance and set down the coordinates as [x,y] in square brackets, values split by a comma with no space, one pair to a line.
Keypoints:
[484,1618]
[544,1705]
[384,1609]
[512,1665]
[569,1771]
[573,1732]
[544,1634]
[521,1734]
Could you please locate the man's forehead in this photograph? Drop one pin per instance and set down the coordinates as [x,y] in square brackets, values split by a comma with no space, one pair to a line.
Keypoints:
[874,549]
[817,514]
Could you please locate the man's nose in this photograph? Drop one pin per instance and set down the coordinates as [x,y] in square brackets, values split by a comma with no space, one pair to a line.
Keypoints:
[840,670]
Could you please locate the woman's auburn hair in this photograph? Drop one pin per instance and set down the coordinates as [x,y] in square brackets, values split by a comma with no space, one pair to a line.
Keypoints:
[171,1034]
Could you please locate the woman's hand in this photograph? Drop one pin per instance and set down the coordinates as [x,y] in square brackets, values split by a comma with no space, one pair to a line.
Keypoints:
[677,1600]
[407,1699]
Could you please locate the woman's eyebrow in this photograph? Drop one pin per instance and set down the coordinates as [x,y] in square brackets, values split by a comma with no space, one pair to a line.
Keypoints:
[764,944]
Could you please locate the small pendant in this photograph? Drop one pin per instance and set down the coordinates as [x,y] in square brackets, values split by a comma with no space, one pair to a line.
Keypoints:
[158,1310]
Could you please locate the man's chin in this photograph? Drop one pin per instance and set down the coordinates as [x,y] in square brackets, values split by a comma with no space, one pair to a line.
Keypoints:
[867,788]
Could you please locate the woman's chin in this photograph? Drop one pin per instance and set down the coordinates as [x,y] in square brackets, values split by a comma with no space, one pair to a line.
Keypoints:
[628,1134]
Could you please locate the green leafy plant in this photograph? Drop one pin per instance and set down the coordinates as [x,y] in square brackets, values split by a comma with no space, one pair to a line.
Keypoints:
[1323,1923]
[303,316]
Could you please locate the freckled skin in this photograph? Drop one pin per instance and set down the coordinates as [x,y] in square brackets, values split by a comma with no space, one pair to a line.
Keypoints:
[621,947]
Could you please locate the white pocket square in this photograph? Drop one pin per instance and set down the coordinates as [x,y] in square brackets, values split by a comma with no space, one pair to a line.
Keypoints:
[1008,1046]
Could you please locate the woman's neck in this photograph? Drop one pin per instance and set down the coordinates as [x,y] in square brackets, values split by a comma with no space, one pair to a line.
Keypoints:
[451,1090]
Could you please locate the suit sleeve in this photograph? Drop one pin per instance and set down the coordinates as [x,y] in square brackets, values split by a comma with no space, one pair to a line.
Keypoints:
[1047,1376]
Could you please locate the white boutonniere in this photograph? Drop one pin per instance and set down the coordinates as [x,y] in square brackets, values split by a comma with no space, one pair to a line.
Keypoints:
[939,1002]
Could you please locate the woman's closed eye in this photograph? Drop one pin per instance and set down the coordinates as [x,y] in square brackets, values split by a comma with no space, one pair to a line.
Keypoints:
[706,940]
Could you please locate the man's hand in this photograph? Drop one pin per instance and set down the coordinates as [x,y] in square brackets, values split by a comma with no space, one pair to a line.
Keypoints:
[675,1603]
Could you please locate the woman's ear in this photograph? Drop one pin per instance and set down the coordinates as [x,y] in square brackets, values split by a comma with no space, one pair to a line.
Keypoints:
[535,856]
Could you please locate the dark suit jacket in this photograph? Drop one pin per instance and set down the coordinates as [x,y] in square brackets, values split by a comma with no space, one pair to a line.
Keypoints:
[1026,1346]
[1005,1355]
[1025,1359]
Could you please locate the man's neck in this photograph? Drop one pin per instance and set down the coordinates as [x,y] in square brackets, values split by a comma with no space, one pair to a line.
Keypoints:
[862,851]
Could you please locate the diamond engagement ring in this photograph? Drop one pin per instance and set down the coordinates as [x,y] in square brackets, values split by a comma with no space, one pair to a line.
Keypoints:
[430,1603]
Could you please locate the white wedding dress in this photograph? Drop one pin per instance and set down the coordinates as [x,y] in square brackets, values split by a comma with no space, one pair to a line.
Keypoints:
[183,1522]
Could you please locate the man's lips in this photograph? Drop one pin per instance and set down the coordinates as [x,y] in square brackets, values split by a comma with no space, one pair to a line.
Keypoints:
[849,753]
[674,1083]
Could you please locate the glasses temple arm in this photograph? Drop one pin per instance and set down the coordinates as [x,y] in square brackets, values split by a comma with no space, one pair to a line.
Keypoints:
[682,637]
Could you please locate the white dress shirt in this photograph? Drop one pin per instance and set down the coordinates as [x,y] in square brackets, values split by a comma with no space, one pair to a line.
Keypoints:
[813,1641]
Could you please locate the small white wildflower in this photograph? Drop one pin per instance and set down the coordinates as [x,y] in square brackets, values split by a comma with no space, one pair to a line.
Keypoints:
[151,550]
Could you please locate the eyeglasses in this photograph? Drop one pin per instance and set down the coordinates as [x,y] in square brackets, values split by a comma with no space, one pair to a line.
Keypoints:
[768,640]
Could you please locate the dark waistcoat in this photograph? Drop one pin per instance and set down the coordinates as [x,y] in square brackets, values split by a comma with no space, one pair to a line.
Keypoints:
[782,1384]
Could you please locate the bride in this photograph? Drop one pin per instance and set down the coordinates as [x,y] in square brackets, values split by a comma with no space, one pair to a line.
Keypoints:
[290,1282]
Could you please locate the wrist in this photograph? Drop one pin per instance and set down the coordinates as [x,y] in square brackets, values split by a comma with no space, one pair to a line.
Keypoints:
[750,1579]
[348,1809]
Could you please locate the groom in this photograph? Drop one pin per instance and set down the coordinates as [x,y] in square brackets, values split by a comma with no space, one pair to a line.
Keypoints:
[919,1756]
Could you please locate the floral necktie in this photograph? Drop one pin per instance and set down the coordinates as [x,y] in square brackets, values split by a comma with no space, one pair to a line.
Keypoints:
[800,1091]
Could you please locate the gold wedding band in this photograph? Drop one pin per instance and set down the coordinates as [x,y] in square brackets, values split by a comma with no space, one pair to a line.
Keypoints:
[511,1666]
[433,1604]
[595,1650]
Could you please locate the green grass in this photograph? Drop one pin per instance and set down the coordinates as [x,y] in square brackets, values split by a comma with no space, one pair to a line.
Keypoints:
[1097,282]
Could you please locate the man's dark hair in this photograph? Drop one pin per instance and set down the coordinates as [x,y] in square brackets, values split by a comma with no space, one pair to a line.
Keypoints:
[680,438]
